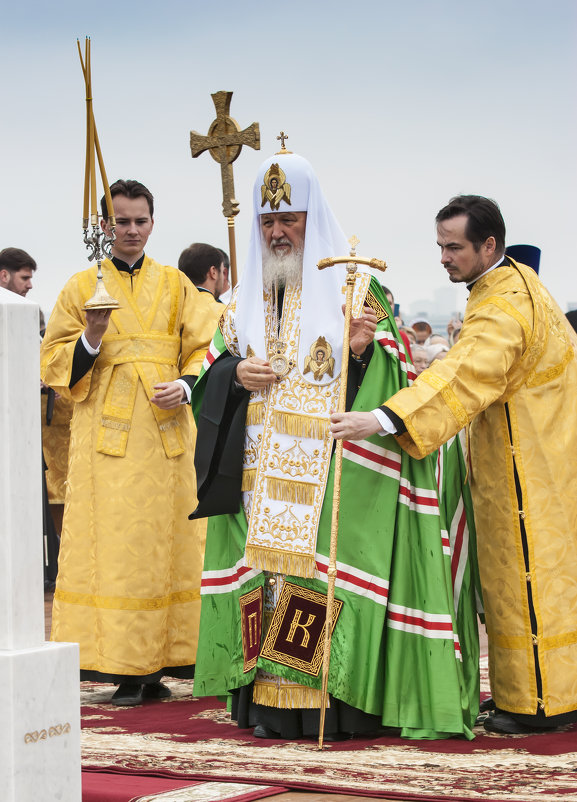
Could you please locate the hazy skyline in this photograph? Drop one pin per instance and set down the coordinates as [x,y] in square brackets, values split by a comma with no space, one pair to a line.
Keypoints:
[397,106]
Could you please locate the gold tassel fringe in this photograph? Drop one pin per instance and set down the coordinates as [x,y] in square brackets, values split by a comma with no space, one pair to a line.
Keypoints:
[290,490]
[290,697]
[281,562]
[248,479]
[300,425]
[255,414]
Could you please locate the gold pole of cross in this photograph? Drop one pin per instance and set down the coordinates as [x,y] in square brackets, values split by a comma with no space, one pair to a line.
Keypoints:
[224,142]
[351,262]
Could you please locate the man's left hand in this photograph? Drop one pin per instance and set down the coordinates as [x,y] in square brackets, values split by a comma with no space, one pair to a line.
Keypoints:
[353,425]
[169,395]
[363,330]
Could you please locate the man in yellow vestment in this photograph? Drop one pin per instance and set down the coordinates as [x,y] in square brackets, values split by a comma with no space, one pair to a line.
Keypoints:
[130,560]
[205,267]
[513,376]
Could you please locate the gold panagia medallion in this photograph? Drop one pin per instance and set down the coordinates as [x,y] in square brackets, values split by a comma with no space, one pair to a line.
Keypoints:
[320,360]
[275,188]
[279,361]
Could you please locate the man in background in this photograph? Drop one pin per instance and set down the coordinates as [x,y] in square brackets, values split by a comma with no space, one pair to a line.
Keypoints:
[16,270]
[205,267]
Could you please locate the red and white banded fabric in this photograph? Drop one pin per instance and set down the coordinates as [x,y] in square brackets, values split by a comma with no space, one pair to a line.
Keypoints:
[392,346]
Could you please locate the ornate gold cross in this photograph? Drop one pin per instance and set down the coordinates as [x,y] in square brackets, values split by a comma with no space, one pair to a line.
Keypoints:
[281,138]
[353,242]
[224,142]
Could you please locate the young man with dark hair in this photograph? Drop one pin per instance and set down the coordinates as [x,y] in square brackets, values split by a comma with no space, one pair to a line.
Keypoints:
[204,266]
[16,270]
[129,573]
[128,189]
[512,376]
[483,216]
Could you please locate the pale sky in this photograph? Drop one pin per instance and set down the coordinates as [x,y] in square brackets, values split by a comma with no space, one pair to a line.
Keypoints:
[398,106]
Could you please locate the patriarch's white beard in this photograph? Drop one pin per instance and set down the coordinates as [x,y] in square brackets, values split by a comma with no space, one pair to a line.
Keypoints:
[281,269]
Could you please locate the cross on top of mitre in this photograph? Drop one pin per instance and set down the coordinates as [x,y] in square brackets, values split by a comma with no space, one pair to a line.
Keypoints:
[281,138]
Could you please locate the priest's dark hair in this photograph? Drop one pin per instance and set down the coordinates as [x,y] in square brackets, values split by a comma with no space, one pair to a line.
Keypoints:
[225,259]
[196,260]
[15,259]
[484,219]
[130,189]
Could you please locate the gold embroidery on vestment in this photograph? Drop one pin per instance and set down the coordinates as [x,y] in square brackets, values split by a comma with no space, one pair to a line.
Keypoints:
[372,301]
[255,414]
[537,378]
[296,635]
[285,696]
[248,479]
[290,490]
[251,605]
[300,425]
[449,396]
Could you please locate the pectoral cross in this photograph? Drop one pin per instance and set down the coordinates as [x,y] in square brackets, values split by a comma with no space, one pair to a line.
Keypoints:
[224,142]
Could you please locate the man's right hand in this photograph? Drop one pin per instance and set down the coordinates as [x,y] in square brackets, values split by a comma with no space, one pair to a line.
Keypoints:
[254,373]
[96,324]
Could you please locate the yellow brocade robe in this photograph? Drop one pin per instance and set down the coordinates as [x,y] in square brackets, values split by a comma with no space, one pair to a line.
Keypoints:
[55,442]
[130,560]
[513,376]
[215,308]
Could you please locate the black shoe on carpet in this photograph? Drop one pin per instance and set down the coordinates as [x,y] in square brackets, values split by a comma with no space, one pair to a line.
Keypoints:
[504,724]
[156,690]
[127,695]
[260,731]
[487,704]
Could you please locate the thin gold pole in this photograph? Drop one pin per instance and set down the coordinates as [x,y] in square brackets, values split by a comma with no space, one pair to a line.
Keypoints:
[232,253]
[332,569]
[85,208]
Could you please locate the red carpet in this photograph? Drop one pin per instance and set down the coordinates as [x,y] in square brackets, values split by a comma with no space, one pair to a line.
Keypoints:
[102,787]
[192,739]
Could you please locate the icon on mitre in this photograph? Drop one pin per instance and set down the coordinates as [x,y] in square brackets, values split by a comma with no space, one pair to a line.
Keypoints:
[275,187]
[320,360]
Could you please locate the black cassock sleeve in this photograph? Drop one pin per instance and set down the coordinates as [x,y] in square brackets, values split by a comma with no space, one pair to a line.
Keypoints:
[219,453]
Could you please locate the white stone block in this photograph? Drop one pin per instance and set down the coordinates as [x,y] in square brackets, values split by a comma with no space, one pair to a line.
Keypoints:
[21,575]
[40,732]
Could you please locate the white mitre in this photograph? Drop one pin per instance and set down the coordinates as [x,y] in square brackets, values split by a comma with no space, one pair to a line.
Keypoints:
[297,189]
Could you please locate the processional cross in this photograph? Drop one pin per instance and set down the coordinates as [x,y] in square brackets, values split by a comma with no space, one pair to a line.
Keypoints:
[224,142]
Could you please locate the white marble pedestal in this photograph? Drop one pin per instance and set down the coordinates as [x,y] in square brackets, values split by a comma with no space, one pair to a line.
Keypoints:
[40,735]
[40,682]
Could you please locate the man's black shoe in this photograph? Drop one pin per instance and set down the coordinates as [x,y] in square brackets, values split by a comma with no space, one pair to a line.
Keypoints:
[488,704]
[156,690]
[260,731]
[504,724]
[127,695]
